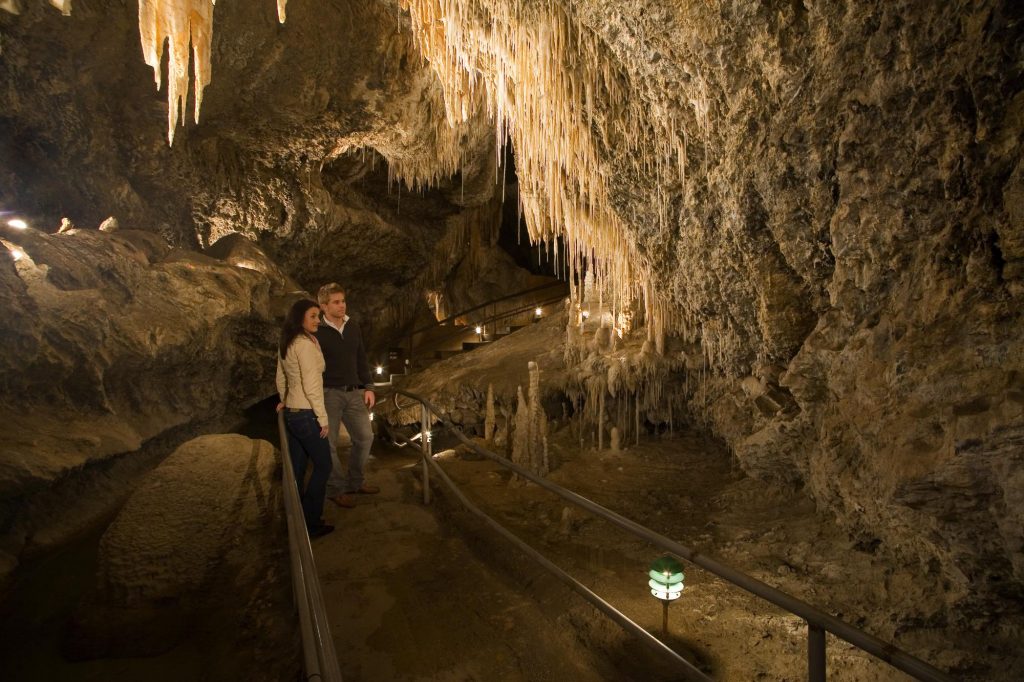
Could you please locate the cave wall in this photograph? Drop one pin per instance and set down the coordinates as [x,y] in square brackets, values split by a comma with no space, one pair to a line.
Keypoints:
[822,202]
[112,342]
[852,242]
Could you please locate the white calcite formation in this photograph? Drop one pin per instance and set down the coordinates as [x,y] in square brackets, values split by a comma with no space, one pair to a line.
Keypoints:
[180,24]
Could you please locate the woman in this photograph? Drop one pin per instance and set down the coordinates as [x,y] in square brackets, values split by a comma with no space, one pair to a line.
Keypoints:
[300,383]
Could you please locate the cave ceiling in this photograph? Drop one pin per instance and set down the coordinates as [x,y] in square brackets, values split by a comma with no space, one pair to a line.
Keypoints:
[315,138]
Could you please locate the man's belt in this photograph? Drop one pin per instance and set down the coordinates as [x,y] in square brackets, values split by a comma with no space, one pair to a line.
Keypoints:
[351,387]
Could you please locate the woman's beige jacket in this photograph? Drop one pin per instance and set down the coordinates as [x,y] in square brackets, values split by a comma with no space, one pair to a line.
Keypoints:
[300,377]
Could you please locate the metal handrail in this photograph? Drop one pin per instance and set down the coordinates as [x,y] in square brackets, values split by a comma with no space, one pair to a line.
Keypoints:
[452,332]
[452,318]
[320,661]
[818,622]
[692,672]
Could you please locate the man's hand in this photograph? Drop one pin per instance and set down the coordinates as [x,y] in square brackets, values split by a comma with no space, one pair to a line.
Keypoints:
[370,399]
[323,431]
[280,406]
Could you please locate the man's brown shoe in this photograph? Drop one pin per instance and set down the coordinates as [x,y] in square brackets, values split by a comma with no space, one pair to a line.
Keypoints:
[346,501]
[366,490]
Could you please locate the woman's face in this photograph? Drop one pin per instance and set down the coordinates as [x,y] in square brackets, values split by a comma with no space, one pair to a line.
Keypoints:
[311,320]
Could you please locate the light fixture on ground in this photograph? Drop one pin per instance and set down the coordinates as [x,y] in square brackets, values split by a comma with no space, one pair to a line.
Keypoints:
[538,312]
[666,584]
[479,330]
[17,223]
[380,370]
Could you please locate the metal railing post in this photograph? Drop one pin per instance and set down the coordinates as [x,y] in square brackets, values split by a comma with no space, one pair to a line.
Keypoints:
[815,653]
[425,450]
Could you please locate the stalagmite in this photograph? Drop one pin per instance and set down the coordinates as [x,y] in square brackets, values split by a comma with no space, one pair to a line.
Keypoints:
[489,423]
[531,436]
[521,438]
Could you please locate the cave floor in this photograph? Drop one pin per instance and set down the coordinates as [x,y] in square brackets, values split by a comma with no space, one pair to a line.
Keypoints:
[420,592]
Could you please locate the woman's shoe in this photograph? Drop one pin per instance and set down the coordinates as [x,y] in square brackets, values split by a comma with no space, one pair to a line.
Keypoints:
[320,530]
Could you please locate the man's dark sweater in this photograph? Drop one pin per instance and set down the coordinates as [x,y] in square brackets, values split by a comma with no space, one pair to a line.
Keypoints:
[344,356]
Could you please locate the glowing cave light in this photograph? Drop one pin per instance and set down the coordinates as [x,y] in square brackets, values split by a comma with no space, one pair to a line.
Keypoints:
[17,254]
[479,330]
[17,223]
[538,312]
[380,370]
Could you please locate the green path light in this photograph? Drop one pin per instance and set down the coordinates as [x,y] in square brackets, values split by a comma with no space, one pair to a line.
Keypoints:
[666,584]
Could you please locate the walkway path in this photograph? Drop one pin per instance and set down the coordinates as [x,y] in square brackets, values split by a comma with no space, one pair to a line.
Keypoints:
[408,600]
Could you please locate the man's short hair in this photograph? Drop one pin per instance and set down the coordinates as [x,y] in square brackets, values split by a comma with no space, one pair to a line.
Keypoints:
[328,290]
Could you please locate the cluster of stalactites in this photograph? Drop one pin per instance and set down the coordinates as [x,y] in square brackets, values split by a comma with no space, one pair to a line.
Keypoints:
[550,84]
[181,23]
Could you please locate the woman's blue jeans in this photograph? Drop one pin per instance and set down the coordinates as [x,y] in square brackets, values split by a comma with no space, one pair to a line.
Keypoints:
[305,445]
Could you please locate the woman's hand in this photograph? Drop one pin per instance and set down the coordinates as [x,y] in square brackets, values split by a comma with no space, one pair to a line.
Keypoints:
[280,406]
[323,431]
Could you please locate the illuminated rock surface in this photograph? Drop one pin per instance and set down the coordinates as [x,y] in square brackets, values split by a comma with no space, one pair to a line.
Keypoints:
[112,340]
[205,526]
[821,205]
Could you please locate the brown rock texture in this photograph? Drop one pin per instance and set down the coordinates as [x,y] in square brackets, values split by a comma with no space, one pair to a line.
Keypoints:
[317,140]
[842,256]
[851,243]
[842,262]
[112,340]
[198,551]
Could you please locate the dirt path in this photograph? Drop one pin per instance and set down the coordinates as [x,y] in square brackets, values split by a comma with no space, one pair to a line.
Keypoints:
[408,600]
[428,593]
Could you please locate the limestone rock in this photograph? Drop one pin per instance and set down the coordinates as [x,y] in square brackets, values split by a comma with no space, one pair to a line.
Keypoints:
[108,347]
[201,543]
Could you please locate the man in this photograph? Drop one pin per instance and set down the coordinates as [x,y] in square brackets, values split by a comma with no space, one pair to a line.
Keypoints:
[347,394]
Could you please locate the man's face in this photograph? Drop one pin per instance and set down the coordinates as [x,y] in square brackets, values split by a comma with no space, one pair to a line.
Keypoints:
[334,309]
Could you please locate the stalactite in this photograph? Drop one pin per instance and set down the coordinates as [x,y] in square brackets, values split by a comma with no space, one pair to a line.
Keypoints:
[179,23]
[637,411]
[546,80]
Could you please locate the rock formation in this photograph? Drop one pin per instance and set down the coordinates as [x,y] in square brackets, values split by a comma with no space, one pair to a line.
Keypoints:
[814,212]
[111,340]
[199,551]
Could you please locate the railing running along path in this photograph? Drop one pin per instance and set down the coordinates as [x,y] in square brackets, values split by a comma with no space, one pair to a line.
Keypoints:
[492,319]
[818,622]
[320,661]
